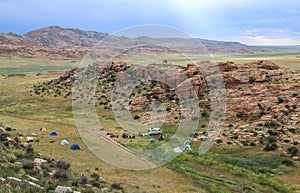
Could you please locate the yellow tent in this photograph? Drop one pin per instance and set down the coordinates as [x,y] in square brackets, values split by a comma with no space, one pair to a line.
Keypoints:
[43,129]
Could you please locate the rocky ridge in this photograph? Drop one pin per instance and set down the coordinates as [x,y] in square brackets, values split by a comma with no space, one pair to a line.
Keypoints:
[262,98]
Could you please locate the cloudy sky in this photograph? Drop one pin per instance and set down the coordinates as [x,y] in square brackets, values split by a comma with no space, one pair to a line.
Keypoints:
[259,22]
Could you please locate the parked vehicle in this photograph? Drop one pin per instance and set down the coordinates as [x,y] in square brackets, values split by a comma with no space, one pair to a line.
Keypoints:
[154,131]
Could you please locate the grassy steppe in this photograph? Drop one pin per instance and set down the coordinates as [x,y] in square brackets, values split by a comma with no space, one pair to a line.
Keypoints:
[221,170]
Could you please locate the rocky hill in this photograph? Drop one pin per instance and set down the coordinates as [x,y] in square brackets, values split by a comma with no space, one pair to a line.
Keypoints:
[66,43]
[57,36]
[262,100]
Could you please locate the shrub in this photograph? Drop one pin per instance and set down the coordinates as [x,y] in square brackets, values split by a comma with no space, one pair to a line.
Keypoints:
[272,139]
[136,117]
[271,147]
[287,162]
[293,151]
[62,175]
[280,100]
[63,165]
[239,115]
[29,149]
[219,141]
[27,164]
[8,129]
[116,186]
[272,124]
[204,114]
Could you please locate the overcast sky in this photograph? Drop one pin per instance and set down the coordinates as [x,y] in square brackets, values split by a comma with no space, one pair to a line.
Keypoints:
[260,22]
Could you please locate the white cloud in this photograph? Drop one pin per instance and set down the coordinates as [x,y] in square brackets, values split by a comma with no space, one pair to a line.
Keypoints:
[263,40]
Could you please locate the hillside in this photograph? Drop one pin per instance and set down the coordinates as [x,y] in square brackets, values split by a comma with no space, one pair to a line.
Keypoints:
[67,43]
[262,99]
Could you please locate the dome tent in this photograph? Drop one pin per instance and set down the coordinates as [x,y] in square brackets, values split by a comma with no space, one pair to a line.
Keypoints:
[75,147]
[64,142]
[186,148]
[53,133]
[43,129]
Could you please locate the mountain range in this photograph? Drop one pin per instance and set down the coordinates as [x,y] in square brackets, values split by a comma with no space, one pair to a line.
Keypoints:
[66,43]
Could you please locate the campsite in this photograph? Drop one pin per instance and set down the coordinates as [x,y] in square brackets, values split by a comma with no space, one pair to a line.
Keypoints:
[150,96]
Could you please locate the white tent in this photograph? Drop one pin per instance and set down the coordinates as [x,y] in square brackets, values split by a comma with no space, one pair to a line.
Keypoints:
[64,142]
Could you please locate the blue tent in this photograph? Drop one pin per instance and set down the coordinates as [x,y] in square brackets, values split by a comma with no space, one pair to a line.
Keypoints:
[186,148]
[53,133]
[152,141]
[187,142]
[75,147]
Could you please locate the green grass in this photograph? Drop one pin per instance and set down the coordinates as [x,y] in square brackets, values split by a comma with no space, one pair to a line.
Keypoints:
[246,170]
[17,65]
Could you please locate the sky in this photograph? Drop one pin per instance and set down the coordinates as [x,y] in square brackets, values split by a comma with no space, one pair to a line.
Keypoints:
[253,22]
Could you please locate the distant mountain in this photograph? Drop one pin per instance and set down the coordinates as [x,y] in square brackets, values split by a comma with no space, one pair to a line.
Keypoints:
[65,43]
[58,36]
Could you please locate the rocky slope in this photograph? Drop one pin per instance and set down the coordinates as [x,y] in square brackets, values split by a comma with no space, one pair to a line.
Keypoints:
[262,100]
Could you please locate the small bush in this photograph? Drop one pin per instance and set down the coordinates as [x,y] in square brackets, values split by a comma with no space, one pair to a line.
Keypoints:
[62,175]
[292,151]
[8,129]
[63,165]
[272,124]
[287,162]
[272,139]
[116,186]
[27,164]
[219,141]
[271,147]
[240,115]
[280,100]
[136,117]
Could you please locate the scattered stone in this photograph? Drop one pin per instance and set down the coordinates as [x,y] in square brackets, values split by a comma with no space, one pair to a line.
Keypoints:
[62,189]
[33,184]
[295,158]
[105,189]
[2,131]
[13,179]
[102,180]
[2,180]
[38,161]
[18,164]
[32,179]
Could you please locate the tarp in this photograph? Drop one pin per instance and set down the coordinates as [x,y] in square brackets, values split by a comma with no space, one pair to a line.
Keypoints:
[53,133]
[64,142]
[177,150]
[75,147]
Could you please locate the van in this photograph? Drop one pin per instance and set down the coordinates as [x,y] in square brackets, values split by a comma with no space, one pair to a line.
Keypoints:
[154,131]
